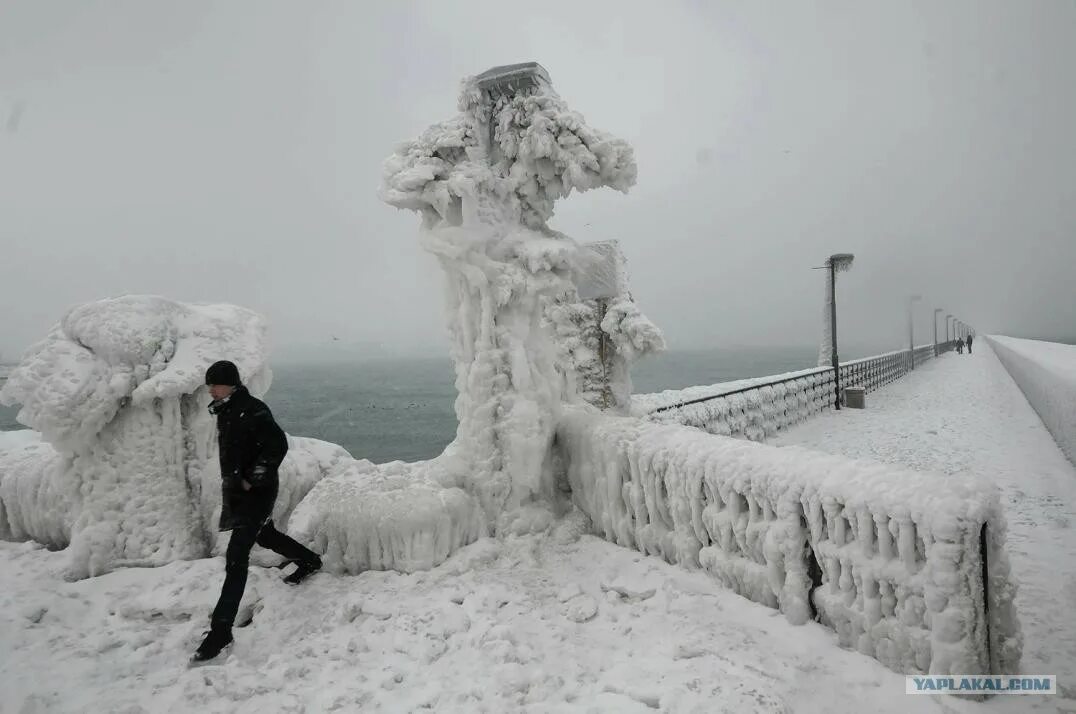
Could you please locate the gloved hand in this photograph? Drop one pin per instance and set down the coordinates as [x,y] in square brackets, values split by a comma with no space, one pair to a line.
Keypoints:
[257,475]
[234,483]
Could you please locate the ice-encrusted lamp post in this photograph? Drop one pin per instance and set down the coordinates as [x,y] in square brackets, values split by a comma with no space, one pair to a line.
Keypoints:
[948,317]
[485,183]
[912,299]
[836,263]
[937,311]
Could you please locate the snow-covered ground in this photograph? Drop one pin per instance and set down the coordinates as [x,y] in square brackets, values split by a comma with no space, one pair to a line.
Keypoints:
[524,624]
[964,413]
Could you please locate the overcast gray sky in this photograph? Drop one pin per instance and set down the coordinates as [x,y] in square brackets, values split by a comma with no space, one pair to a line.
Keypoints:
[232,152]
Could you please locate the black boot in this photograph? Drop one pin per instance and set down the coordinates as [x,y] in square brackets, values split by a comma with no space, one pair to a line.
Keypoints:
[303,569]
[215,640]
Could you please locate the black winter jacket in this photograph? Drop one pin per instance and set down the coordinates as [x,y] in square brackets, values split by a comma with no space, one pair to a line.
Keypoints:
[252,446]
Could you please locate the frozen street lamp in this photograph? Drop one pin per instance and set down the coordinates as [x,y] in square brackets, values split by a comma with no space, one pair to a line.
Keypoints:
[948,316]
[912,299]
[937,311]
[838,262]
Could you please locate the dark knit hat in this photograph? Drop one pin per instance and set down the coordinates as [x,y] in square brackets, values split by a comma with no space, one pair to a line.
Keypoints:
[224,373]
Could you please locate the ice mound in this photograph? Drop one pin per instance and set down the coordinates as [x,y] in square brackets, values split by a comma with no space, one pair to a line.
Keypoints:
[127,472]
[128,350]
[396,516]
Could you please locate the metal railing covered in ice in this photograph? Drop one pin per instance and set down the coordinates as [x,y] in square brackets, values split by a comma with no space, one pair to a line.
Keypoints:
[906,567]
[766,406]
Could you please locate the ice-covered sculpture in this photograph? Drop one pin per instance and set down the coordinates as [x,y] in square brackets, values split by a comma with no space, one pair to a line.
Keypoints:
[126,471]
[485,183]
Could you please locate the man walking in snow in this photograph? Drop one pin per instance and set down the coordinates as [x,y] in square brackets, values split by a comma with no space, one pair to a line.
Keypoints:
[252,446]
[969,344]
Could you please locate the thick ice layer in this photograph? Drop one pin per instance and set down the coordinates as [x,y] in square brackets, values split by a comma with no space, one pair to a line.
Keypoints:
[642,404]
[485,183]
[129,471]
[36,502]
[825,344]
[890,559]
[396,516]
[134,506]
[137,482]
[755,414]
[774,403]
[600,336]
[1046,374]
[135,349]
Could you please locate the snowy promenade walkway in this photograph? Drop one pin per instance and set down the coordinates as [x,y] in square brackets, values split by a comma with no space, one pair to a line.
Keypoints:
[964,412]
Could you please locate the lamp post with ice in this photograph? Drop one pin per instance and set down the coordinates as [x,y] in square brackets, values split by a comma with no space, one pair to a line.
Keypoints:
[836,263]
[937,311]
[912,299]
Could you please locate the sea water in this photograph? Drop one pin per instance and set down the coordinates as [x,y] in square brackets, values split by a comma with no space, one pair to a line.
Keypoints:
[403,408]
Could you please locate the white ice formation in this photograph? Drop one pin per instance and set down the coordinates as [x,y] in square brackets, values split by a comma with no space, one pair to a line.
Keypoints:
[754,414]
[907,567]
[835,264]
[600,330]
[484,183]
[126,471]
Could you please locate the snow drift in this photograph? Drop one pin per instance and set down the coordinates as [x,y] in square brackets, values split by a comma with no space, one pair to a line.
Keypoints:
[909,568]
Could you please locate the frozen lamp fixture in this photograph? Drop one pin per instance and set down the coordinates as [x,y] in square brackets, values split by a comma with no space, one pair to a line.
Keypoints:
[498,86]
[509,79]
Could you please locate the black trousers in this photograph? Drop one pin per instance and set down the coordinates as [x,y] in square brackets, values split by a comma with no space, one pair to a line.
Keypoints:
[237,560]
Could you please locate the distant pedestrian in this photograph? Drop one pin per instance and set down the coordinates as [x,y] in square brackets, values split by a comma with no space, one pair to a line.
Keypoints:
[959,346]
[969,344]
